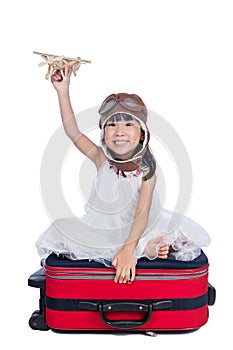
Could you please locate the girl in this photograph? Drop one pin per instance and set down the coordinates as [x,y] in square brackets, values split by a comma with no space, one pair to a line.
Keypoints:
[124,220]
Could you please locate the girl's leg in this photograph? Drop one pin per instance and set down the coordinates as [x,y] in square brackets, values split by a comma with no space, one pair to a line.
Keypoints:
[157,248]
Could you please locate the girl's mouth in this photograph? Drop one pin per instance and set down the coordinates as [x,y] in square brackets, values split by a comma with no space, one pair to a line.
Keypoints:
[120,143]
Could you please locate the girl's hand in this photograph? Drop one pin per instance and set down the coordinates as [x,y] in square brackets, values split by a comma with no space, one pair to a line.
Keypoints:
[124,263]
[61,85]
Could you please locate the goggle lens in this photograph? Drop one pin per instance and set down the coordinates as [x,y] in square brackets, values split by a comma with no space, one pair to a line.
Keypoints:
[107,105]
[130,102]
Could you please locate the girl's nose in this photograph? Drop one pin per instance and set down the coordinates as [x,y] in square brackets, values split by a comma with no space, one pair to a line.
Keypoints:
[120,129]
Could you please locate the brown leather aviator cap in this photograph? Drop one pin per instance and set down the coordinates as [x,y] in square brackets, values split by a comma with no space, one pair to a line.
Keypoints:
[125,103]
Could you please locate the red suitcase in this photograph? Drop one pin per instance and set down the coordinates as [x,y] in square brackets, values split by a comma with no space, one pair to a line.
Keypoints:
[167,295]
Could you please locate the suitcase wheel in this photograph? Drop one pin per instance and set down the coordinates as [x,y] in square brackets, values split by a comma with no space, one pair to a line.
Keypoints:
[37,321]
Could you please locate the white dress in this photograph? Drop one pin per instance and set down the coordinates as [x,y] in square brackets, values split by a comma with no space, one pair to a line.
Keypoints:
[102,231]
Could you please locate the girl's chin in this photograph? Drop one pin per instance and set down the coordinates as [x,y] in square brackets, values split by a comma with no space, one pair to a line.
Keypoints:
[121,153]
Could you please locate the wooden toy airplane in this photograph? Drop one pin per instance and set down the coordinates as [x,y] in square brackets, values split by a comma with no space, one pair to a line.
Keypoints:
[61,63]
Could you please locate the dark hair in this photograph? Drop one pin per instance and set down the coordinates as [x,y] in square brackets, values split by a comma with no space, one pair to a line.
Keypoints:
[148,158]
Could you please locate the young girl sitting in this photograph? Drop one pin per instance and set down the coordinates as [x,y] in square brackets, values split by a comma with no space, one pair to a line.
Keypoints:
[124,220]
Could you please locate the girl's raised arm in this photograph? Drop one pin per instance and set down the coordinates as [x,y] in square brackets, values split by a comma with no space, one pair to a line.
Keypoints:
[81,141]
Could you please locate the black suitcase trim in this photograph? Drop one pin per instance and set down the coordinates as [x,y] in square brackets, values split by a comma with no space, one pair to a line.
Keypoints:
[126,305]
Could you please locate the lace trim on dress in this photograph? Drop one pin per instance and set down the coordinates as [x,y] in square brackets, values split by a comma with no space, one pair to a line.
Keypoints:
[135,173]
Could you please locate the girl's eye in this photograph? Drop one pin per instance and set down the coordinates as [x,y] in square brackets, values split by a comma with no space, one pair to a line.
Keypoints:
[129,124]
[112,124]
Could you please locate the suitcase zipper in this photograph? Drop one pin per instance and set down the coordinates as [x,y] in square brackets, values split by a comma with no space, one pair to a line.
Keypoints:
[108,275]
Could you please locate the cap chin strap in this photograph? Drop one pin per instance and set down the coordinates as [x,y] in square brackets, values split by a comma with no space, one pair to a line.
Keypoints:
[130,164]
[136,161]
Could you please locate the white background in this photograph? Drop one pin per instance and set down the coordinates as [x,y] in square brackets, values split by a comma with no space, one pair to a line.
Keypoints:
[177,55]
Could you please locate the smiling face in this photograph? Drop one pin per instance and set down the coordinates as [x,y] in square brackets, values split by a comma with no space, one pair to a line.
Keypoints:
[122,135]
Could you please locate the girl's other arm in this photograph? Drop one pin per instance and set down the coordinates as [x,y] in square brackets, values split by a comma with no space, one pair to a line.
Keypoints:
[124,260]
[82,142]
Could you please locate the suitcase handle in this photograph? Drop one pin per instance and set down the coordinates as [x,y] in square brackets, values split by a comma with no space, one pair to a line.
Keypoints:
[124,324]
[130,307]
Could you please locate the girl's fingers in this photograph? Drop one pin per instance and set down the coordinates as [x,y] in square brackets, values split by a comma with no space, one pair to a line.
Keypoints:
[162,256]
[133,272]
[56,77]
[69,72]
[125,276]
[163,251]
[118,275]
